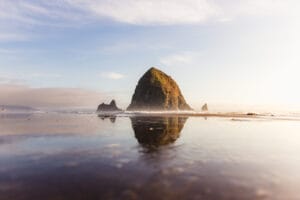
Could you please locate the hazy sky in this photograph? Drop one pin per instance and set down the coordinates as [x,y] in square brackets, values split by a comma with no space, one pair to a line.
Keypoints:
[220,52]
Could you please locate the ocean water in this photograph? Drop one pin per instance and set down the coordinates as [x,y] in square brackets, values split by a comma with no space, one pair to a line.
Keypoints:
[83,156]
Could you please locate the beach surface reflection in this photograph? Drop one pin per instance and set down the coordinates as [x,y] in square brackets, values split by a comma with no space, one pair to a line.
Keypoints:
[82,156]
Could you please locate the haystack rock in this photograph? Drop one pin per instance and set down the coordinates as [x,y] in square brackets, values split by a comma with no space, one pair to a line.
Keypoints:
[108,107]
[157,91]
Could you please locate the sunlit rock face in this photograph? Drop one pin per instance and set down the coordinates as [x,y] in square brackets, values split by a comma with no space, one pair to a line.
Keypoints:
[157,131]
[157,91]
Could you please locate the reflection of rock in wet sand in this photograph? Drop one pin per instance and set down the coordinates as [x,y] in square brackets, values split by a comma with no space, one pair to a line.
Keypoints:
[157,131]
[112,118]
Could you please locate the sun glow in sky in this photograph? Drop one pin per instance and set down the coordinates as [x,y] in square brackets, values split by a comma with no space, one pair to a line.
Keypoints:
[243,52]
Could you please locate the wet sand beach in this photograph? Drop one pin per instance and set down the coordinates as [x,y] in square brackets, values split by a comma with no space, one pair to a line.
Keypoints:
[83,156]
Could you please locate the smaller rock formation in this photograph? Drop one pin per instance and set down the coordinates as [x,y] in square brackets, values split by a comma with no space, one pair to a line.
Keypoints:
[112,107]
[204,108]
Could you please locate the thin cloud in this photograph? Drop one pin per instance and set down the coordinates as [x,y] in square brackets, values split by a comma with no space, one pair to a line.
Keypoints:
[112,75]
[139,12]
[4,79]
[151,12]
[44,75]
[9,36]
[180,59]
[7,51]
[19,17]
[174,12]
[17,78]
[259,7]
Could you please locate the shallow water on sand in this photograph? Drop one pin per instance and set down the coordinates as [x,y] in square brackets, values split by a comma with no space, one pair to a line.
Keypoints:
[69,156]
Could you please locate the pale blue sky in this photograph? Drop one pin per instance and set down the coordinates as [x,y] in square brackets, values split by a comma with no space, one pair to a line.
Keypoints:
[238,52]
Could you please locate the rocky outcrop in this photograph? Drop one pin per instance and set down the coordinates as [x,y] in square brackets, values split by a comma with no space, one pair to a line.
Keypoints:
[112,107]
[157,91]
[204,108]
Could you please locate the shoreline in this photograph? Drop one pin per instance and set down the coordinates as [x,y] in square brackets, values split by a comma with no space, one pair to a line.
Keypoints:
[233,115]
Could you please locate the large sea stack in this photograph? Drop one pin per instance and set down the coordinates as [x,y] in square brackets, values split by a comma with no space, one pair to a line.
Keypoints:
[157,91]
